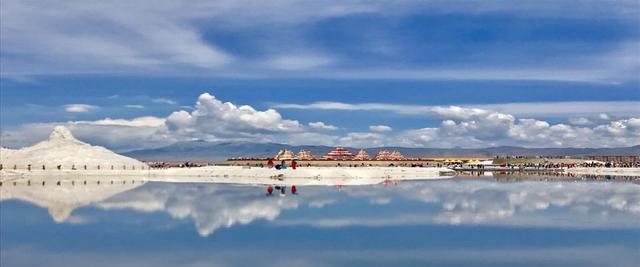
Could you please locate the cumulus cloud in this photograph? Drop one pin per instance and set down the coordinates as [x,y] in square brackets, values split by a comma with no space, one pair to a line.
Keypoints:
[322,126]
[380,128]
[473,127]
[211,120]
[79,108]
[214,120]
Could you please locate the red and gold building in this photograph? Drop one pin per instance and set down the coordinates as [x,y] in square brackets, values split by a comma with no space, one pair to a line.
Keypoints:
[338,153]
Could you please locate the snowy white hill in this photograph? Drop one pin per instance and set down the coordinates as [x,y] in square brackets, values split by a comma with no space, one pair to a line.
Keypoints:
[5,153]
[61,148]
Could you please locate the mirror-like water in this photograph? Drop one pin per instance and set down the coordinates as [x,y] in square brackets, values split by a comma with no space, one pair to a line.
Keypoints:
[456,222]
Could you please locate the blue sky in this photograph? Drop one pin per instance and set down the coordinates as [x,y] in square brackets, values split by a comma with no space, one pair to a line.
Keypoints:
[436,74]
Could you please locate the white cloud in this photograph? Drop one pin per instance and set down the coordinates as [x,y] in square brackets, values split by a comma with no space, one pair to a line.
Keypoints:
[214,120]
[306,138]
[471,127]
[134,106]
[117,134]
[299,63]
[79,108]
[146,36]
[136,122]
[322,126]
[163,100]
[580,121]
[362,139]
[568,108]
[95,36]
[380,128]
[603,116]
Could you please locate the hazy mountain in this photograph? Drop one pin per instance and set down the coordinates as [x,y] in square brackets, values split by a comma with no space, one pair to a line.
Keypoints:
[212,151]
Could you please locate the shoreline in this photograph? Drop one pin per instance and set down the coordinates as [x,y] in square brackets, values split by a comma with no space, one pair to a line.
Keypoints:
[264,175]
[247,175]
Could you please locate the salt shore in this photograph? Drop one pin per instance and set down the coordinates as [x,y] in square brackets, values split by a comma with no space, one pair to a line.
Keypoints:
[604,171]
[245,175]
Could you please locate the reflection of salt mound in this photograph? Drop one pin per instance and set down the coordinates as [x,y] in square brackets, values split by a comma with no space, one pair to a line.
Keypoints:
[62,199]
[61,148]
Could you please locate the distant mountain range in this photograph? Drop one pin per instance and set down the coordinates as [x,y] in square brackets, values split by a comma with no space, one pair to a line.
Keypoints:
[215,151]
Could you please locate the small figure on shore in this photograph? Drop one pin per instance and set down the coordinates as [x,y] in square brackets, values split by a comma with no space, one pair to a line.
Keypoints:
[283,191]
[283,165]
[269,190]
[294,190]
[270,164]
[294,164]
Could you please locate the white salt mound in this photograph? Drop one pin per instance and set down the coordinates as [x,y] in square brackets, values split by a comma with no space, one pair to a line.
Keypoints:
[61,148]
[5,153]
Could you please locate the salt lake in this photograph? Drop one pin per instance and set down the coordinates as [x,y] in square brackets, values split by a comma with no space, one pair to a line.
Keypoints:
[490,221]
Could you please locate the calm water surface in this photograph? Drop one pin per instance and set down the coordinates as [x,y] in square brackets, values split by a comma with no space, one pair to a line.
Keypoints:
[458,222]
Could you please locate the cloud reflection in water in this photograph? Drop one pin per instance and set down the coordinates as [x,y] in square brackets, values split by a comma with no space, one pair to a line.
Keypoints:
[537,204]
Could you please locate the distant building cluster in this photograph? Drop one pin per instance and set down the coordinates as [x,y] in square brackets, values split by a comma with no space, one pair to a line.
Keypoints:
[285,154]
[619,159]
[386,155]
[339,153]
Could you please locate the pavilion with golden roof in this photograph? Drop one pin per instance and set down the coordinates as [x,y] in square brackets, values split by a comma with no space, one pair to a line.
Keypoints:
[387,155]
[362,155]
[338,153]
[305,155]
[284,155]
